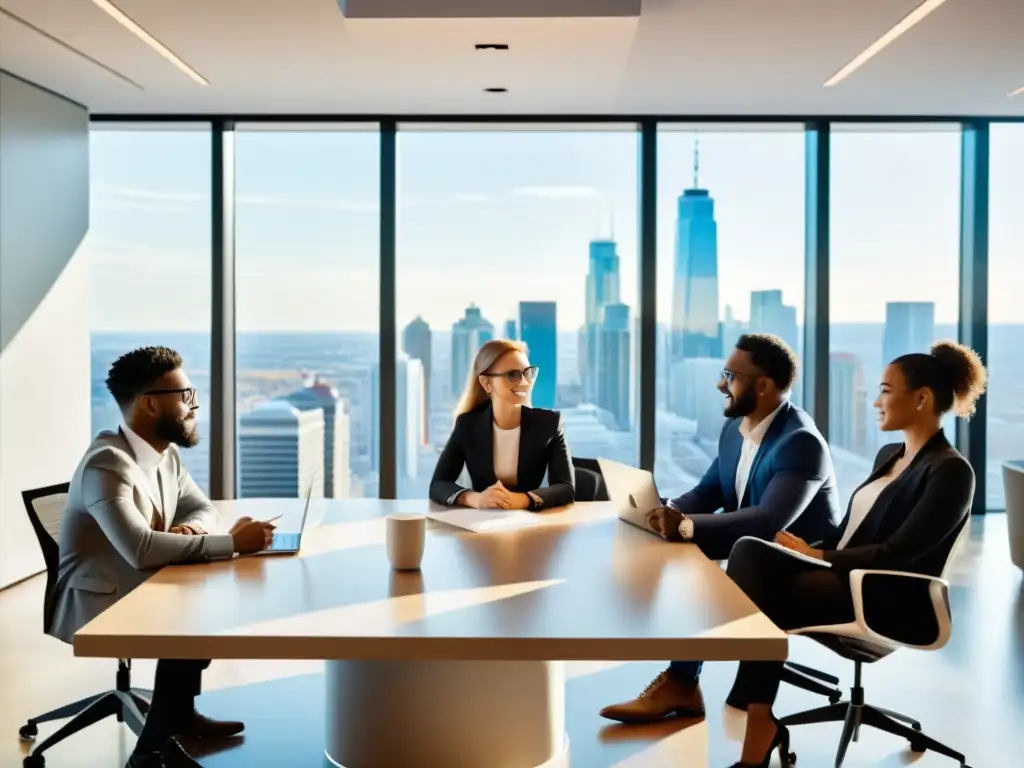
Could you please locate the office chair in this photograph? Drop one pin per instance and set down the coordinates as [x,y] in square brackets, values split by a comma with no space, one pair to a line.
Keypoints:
[870,637]
[589,480]
[129,705]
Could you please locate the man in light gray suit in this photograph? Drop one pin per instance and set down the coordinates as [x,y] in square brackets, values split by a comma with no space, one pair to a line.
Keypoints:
[133,508]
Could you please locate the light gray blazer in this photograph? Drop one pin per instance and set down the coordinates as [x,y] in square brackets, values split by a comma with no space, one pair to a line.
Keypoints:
[107,547]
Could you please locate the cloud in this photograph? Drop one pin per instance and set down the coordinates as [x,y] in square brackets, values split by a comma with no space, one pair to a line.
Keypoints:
[131,194]
[322,203]
[558,192]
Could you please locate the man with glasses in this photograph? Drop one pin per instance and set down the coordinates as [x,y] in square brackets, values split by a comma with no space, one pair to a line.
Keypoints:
[773,472]
[133,508]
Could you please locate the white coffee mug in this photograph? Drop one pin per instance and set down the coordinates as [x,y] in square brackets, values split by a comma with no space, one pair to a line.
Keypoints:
[406,537]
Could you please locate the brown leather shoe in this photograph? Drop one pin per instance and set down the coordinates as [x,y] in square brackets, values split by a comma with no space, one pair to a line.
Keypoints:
[664,696]
[202,727]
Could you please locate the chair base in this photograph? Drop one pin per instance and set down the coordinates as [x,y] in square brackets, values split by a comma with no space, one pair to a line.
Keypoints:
[129,705]
[853,715]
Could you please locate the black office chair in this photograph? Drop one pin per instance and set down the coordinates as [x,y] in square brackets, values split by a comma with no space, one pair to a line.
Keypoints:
[589,480]
[871,636]
[130,705]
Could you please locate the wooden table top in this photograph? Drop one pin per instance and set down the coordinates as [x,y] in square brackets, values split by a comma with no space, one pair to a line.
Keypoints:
[582,585]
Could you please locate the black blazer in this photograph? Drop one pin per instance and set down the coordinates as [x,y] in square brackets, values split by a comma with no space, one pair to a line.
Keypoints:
[542,449]
[915,521]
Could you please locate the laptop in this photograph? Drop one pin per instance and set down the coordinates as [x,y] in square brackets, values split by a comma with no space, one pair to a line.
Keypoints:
[632,491]
[289,543]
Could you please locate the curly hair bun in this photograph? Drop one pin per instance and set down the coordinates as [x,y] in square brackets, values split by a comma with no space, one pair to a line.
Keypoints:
[966,372]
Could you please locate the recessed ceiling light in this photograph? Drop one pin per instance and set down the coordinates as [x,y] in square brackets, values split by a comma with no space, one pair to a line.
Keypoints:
[496,90]
[905,24]
[125,21]
[492,46]
[1018,92]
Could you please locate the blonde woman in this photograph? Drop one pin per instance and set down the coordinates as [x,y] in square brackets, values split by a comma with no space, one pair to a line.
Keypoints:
[506,445]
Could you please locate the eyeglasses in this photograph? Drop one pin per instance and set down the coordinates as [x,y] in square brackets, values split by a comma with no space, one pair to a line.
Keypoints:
[189,395]
[731,376]
[515,376]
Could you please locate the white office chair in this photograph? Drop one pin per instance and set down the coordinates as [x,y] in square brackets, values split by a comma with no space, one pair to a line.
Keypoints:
[129,705]
[863,641]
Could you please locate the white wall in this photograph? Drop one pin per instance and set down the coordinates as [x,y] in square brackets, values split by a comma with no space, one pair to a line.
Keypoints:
[44,320]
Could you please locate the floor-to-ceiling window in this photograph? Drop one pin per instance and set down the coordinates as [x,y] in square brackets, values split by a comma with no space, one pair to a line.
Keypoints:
[528,233]
[894,272]
[148,252]
[1006,305]
[730,261]
[307,222]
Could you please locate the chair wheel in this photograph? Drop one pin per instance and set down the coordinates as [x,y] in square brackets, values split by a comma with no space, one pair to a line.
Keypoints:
[917,746]
[834,698]
[34,761]
[28,732]
[790,760]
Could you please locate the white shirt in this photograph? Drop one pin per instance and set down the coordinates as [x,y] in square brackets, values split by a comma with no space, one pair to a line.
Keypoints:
[506,455]
[861,503]
[148,458]
[752,439]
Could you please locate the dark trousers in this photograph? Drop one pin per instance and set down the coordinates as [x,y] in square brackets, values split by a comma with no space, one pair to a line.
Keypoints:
[689,671]
[792,594]
[178,682]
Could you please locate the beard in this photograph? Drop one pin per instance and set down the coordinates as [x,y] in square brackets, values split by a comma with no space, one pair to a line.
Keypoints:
[744,405]
[184,433]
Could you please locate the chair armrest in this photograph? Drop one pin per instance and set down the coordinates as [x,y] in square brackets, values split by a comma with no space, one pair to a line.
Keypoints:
[897,608]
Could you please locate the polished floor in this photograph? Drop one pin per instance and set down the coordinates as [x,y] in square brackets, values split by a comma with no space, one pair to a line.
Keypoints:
[970,694]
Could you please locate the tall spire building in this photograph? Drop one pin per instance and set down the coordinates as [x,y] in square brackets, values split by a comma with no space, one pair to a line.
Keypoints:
[602,291]
[695,330]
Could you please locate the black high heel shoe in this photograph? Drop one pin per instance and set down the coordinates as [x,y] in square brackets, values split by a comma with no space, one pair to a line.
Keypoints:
[780,742]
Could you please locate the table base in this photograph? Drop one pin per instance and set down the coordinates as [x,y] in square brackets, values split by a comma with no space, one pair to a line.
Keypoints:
[446,714]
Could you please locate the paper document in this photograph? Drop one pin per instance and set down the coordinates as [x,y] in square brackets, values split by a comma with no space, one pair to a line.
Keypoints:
[798,555]
[480,520]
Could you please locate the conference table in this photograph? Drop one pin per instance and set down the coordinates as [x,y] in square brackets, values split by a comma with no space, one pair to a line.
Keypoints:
[461,663]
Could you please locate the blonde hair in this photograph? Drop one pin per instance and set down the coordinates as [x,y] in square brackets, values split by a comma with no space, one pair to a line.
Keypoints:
[474,395]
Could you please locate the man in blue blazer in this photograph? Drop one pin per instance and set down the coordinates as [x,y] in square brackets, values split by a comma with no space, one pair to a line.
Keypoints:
[773,472]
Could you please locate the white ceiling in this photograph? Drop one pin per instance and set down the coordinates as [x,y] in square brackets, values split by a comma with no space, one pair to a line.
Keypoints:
[679,57]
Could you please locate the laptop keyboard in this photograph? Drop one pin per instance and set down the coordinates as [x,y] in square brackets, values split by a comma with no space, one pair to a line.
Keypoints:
[285,541]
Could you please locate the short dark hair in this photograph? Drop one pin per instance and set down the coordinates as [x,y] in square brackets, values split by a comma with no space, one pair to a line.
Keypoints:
[954,373]
[772,355]
[136,371]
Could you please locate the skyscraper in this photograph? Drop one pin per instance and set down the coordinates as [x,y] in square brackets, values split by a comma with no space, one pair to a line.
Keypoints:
[337,431]
[769,315]
[695,328]
[602,278]
[468,334]
[909,327]
[538,329]
[847,418]
[410,434]
[510,330]
[602,290]
[281,451]
[613,366]
[416,344]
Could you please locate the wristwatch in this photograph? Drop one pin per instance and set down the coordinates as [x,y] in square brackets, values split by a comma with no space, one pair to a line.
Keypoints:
[686,528]
[536,502]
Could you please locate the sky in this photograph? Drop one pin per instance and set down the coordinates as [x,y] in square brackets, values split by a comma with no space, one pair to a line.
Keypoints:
[498,217]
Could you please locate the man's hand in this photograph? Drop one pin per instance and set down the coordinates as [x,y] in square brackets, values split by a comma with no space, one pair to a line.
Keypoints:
[185,530]
[251,535]
[789,541]
[495,497]
[239,523]
[665,522]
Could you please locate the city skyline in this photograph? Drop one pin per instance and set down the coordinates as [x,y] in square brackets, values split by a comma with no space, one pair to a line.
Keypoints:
[569,293]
